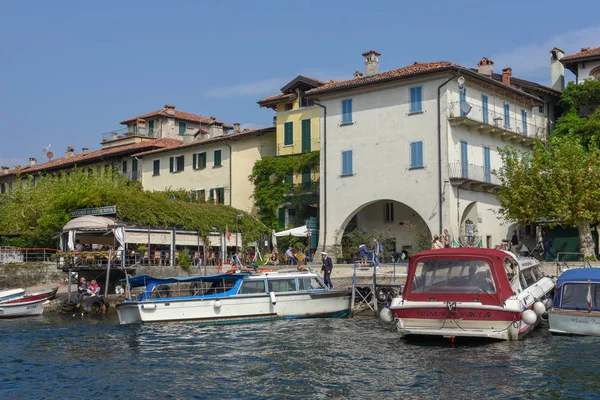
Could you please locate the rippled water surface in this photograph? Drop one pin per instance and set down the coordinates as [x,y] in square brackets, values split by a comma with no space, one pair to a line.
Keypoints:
[58,356]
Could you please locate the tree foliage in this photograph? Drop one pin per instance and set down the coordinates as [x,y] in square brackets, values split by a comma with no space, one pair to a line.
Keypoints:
[581,115]
[39,211]
[271,190]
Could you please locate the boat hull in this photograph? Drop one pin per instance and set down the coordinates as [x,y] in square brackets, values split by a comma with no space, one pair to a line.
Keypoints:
[567,322]
[24,309]
[6,295]
[48,294]
[236,309]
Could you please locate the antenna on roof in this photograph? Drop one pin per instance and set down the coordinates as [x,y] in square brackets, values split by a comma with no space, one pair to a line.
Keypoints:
[47,152]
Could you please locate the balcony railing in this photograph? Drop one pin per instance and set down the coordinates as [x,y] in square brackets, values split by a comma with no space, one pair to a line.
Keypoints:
[465,172]
[131,131]
[297,147]
[534,127]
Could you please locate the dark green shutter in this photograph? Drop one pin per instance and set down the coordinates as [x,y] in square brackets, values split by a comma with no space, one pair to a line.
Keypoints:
[212,195]
[288,136]
[150,127]
[217,158]
[306,136]
[202,160]
[182,128]
[282,218]
[194,161]
[170,164]
[182,162]
[289,178]
[306,178]
[222,196]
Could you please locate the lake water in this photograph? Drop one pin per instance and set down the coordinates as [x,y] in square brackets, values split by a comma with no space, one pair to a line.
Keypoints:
[60,356]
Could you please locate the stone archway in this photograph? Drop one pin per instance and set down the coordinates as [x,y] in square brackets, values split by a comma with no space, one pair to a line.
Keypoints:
[469,215]
[402,227]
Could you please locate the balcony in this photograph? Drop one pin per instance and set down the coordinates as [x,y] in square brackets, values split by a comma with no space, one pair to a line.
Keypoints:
[298,148]
[131,131]
[473,177]
[493,122]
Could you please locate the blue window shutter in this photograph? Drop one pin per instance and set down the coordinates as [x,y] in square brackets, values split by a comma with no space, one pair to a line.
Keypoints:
[524,120]
[413,155]
[484,102]
[464,159]
[347,111]
[416,100]
[507,115]
[347,162]
[463,99]
[487,167]
[349,156]
[420,153]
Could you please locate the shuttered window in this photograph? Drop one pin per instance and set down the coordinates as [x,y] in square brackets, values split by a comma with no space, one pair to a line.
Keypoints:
[487,166]
[156,167]
[463,99]
[281,218]
[416,101]
[524,121]
[347,111]
[306,178]
[416,155]
[288,133]
[306,136]
[347,162]
[217,158]
[182,128]
[484,102]
[506,115]
[464,159]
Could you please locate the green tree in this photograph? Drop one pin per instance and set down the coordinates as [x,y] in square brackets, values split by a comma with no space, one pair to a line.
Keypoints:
[558,182]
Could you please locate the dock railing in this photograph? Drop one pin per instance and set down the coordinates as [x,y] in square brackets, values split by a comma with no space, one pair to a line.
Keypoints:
[10,255]
[371,295]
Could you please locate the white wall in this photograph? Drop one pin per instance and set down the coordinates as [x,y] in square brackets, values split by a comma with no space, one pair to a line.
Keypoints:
[584,69]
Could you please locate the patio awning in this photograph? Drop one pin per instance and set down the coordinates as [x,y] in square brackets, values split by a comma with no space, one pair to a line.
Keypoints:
[300,231]
[90,223]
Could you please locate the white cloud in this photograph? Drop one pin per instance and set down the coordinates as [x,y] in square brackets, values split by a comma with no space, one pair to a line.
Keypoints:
[12,161]
[266,86]
[533,59]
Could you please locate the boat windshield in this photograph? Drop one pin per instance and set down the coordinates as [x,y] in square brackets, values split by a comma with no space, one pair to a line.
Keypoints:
[453,276]
[575,296]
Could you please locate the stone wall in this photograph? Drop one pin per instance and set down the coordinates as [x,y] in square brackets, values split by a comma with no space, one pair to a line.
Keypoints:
[28,274]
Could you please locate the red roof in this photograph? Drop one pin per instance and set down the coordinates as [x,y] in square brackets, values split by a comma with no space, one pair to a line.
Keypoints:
[179,115]
[409,71]
[582,54]
[79,158]
[277,98]
[228,136]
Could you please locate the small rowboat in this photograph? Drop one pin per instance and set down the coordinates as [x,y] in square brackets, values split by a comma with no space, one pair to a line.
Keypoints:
[47,294]
[11,294]
[22,309]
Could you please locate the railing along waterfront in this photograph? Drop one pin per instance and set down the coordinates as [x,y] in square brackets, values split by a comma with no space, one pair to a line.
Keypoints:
[10,255]
[533,126]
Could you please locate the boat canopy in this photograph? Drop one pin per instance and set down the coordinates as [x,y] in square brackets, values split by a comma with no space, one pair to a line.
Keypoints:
[459,275]
[579,275]
[147,280]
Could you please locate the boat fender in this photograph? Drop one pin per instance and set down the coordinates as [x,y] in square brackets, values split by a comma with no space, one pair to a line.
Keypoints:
[217,304]
[385,315]
[539,308]
[529,317]
[545,316]
[549,303]
[93,305]
[273,299]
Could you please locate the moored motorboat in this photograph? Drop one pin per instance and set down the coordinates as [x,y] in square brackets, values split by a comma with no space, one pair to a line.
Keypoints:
[47,294]
[10,294]
[469,292]
[576,308]
[22,309]
[232,298]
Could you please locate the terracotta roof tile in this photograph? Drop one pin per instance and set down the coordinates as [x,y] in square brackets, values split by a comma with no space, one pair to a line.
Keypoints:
[277,98]
[66,162]
[179,115]
[229,136]
[582,54]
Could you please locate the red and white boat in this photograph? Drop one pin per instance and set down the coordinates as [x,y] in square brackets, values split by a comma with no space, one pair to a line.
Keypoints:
[471,292]
[16,309]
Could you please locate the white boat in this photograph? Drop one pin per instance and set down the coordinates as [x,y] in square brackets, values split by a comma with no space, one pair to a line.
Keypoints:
[10,294]
[470,292]
[232,298]
[18,309]
[576,303]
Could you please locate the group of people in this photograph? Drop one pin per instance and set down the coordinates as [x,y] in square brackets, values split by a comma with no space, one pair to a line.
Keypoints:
[87,289]
[370,254]
[441,243]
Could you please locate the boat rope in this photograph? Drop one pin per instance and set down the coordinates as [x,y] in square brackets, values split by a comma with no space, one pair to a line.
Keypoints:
[452,309]
[514,324]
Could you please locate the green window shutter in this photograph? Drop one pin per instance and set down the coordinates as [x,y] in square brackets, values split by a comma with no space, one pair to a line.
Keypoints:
[222,196]
[288,135]
[182,162]
[151,127]
[306,178]
[202,160]
[306,136]
[217,158]
[171,164]
[182,128]
[281,218]
[211,197]
[289,178]
[194,161]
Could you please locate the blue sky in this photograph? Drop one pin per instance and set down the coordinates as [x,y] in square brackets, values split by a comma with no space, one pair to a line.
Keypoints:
[71,70]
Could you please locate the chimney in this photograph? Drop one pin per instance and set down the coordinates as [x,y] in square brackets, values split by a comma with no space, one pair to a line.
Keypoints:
[584,49]
[371,62]
[485,67]
[215,128]
[5,169]
[274,120]
[506,74]
[358,74]
[236,127]
[32,162]
[85,151]
[557,69]
[69,152]
[170,109]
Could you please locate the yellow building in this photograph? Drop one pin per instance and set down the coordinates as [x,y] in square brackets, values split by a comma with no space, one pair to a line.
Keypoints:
[297,122]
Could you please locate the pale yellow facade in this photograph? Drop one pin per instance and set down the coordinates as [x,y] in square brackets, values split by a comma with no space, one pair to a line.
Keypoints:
[211,181]
[295,116]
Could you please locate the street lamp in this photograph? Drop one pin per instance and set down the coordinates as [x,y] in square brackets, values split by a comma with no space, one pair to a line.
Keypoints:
[237,218]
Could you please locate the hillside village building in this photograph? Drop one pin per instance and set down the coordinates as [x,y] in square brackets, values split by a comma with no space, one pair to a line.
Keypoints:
[412,150]
[585,64]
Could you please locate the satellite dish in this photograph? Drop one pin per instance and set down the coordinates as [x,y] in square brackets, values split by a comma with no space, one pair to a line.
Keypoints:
[465,107]
[49,155]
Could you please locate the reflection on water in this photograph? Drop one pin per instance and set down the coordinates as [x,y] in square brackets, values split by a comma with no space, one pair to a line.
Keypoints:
[64,356]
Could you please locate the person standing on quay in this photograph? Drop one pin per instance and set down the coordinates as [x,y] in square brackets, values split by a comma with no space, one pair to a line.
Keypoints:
[326,269]
[447,240]
[375,247]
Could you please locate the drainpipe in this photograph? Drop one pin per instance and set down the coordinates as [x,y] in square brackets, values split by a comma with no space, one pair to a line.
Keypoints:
[439,129]
[324,176]
[230,183]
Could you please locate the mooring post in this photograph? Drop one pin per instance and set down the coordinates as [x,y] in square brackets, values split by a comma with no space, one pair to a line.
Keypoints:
[108,272]
[70,271]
